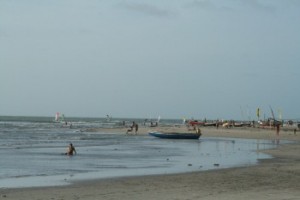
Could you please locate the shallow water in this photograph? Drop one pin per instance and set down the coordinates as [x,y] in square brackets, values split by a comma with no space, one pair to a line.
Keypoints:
[31,154]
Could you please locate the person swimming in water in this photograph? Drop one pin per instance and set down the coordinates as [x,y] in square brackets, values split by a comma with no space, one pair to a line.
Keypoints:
[71,150]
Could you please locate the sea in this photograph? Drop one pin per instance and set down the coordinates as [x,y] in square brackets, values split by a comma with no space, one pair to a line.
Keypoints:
[32,151]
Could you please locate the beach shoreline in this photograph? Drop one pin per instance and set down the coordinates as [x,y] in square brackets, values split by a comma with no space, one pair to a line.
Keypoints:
[276,178]
[286,133]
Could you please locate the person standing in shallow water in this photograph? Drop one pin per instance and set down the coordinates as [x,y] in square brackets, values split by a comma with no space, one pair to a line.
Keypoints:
[277,129]
[71,150]
[136,128]
[131,128]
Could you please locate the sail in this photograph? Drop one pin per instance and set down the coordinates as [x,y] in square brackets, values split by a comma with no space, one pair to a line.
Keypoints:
[62,118]
[272,112]
[56,117]
[258,113]
[158,119]
[108,118]
[280,114]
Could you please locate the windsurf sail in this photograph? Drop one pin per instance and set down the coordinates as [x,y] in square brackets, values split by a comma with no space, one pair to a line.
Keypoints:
[108,118]
[158,119]
[279,114]
[258,113]
[62,118]
[272,112]
[56,117]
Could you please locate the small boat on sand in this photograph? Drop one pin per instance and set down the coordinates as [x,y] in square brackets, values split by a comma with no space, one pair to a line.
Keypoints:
[175,135]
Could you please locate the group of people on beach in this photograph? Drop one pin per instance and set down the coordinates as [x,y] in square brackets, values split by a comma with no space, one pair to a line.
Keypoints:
[72,151]
[152,124]
[134,126]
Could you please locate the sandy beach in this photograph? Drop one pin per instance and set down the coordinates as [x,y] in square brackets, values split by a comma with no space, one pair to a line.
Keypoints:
[277,178]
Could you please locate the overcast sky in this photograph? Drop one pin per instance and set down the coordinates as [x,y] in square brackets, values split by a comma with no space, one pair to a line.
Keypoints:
[139,58]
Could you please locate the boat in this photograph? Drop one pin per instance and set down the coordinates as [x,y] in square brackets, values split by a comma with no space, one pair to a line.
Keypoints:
[195,123]
[210,124]
[175,135]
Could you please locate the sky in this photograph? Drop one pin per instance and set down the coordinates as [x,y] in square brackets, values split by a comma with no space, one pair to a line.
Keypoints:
[198,59]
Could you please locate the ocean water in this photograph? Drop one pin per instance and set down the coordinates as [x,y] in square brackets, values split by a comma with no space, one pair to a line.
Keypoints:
[31,150]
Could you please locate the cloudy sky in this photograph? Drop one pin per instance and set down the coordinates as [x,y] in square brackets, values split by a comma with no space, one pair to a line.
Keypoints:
[139,58]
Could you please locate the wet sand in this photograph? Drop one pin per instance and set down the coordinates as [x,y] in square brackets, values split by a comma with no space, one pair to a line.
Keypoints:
[277,178]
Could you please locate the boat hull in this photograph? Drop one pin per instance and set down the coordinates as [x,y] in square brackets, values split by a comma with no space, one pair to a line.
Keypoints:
[174,135]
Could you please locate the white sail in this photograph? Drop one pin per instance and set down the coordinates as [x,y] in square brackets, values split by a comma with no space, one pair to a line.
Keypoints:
[56,117]
[158,119]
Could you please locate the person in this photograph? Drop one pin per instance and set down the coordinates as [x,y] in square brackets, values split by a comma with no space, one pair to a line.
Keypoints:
[136,128]
[198,131]
[277,129]
[154,124]
[131,128]
[71,150]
